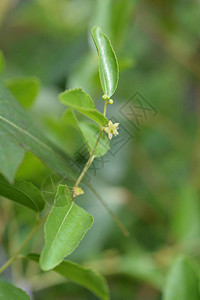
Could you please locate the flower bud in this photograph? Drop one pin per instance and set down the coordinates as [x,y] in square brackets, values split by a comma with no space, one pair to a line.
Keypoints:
[77,190]
[105,97]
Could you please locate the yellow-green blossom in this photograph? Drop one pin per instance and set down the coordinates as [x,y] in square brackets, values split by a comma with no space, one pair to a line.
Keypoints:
[111,129]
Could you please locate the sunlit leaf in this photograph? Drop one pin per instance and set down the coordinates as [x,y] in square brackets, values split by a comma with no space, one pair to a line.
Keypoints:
[10,292]
[108,65]
[65,227]
[25,90]
[80,101]
[182,282]
[85,277]
[22,192]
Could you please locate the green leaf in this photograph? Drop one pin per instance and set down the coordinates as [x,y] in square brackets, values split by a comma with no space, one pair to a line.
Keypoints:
[10,292]
[182,282]
[108,65]
[13,120]
[11,154]
[25,90]
[90,132]
[85,277]
[80,101]
[65,227]
[22,192]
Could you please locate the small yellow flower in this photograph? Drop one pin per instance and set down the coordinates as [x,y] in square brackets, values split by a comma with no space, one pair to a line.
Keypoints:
[111,129]
[77,190]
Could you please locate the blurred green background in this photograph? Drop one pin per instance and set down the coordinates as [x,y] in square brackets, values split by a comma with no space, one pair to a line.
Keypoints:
[150,178]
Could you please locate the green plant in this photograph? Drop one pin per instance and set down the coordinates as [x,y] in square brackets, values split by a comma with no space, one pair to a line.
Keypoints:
[66,223]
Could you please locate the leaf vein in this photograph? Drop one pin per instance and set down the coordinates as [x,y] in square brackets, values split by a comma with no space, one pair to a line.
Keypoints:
[25,132]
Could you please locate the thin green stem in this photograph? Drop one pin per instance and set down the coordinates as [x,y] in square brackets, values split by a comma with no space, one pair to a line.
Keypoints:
[10,261]
[105,108]
[90,160]
[111,213]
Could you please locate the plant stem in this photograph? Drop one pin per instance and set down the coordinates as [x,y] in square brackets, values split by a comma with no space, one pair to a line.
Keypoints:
[90,160]
[9,262]
[110,212]
[105,108]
